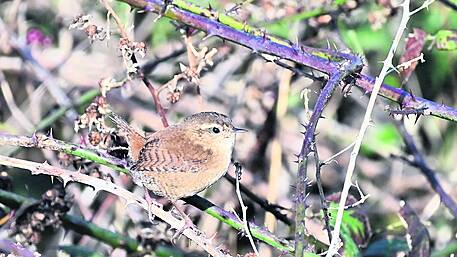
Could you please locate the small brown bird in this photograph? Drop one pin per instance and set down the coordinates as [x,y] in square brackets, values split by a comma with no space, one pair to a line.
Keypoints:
[183,159]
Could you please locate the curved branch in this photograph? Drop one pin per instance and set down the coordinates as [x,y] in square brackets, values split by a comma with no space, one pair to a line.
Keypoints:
[130,198]
[100,157]
[324,60]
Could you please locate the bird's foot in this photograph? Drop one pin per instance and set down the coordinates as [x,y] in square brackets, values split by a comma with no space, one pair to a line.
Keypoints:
[188,224]
[151,202]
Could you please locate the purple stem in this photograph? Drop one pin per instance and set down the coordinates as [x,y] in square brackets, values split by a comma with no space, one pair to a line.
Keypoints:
[324,60]
[421,164]
[306,150]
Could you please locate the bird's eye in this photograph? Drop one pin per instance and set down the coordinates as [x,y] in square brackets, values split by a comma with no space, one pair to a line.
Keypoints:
[216,130]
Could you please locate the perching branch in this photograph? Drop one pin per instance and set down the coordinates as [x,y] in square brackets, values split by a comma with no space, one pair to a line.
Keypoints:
[99,157]
[130,198]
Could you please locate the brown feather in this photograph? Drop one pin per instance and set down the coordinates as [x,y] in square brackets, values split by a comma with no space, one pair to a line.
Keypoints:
[135,140]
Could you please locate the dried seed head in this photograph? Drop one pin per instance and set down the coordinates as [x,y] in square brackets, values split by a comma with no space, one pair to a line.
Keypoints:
[43,215]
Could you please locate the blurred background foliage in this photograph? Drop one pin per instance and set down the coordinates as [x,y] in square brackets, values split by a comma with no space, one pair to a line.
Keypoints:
[247,88]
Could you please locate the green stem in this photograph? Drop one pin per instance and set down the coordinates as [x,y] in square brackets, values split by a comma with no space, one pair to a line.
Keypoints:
[227,217]
[77,224]
[86,98]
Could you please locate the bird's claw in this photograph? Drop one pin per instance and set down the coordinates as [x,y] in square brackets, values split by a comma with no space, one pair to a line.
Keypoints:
[188,224]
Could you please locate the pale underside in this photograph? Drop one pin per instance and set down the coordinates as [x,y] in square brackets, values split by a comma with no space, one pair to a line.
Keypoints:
[171,165]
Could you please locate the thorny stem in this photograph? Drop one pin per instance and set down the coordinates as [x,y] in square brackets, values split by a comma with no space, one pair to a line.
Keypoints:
[127,196]
[327,61]
[334,245]
[99,157]
[306,150]
[421,164]
[324,204]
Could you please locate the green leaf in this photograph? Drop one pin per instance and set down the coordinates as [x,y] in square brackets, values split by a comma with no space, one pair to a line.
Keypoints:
[79,251]
[123,10]
[446,40]
[162,31]
[351,227]
[381,139]
[387,246]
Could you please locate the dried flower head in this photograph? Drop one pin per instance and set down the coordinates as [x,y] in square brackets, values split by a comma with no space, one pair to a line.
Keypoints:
[83,23]
[45,214]
[128,49]
[93,116]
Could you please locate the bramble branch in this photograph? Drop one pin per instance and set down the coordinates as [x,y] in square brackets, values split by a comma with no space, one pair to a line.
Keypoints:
[77,224]
[130,198]
[324,60]
[99,157]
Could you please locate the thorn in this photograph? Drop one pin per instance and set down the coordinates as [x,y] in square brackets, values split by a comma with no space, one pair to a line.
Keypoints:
[50,135]
[34,139]
[412,95]
[417,118]
[209,35]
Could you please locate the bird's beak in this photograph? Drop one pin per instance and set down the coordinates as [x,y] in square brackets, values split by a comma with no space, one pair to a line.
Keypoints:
[240,130]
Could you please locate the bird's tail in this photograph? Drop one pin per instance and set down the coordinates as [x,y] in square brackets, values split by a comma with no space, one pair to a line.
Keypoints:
[135,139]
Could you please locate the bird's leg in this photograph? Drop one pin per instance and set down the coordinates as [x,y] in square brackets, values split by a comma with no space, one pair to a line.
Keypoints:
[187,222]
[151,202]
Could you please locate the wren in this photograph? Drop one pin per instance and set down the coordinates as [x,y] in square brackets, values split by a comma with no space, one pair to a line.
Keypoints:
[183,159]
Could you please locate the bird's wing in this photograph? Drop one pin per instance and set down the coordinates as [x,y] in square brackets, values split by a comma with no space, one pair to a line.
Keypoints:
[171,153]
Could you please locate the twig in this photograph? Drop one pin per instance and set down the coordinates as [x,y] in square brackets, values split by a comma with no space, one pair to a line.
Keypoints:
[420,163]
[324,204]
[244,209]
[272,208]
[156,98]
[331,158]
[306,150]
[228,28]
[143,77]
[14,109]
[116,19]
[334,245]
[129,198]
[42,73]
[118,165]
